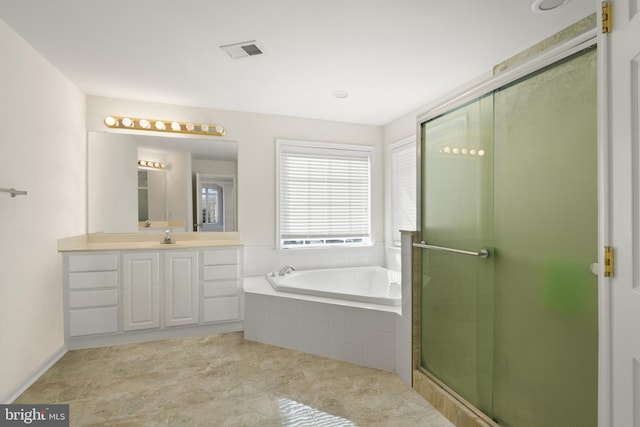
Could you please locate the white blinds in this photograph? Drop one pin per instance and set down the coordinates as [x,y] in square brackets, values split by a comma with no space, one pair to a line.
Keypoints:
[403,188]
[324,195]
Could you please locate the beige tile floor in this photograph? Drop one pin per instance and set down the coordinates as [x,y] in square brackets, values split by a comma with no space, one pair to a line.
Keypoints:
[223,380]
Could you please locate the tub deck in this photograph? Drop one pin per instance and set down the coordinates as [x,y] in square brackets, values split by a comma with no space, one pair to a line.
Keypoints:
[376,285]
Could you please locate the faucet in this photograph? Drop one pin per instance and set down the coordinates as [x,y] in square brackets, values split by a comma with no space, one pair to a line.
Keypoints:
[167,237]
[286,269]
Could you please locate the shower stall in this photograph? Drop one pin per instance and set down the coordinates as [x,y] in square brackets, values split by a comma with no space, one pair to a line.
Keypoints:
[508,231]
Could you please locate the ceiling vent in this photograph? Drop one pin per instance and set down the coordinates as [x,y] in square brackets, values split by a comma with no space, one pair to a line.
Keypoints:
[240,50]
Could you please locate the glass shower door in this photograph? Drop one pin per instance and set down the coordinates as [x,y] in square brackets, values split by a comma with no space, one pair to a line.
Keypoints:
[545,234]
[457,288]
[515,334]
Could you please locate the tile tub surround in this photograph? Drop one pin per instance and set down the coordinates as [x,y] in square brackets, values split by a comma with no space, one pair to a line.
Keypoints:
[223,380]
[360,333]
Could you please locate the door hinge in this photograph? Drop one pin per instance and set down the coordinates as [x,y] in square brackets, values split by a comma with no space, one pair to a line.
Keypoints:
[606,17]
[608,261]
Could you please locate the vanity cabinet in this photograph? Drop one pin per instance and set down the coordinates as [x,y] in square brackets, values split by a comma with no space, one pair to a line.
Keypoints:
[140,288]
[92,296]
[181,302]
[221,284]
[129,295]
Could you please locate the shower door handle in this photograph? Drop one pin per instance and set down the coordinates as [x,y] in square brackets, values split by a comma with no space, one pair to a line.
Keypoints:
[482,253]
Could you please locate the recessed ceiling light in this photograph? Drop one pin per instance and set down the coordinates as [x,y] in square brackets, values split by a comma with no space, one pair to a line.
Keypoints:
[547,5]
[340,94]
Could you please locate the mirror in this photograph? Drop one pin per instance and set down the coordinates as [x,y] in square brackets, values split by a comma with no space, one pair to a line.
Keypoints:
[196,189]
[152,195]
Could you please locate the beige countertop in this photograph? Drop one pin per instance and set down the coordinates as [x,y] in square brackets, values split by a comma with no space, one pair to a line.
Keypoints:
[138,241]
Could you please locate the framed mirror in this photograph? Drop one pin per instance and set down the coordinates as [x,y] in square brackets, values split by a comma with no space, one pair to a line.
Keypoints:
[148,183]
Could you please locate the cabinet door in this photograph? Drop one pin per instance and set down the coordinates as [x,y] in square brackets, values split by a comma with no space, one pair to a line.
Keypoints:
[181,288]
[140,283]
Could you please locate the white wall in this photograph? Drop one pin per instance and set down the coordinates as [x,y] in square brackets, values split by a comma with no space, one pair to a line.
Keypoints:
[256,135]
[42,151]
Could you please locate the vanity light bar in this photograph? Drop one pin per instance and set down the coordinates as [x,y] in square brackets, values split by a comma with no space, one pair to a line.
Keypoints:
[150,164]
[163,126]
[463,151]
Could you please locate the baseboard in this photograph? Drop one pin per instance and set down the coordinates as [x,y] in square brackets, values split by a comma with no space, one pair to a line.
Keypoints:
[91,341]
[26,382]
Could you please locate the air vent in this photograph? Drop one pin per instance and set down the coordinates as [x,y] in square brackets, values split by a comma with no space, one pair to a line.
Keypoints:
[241,50]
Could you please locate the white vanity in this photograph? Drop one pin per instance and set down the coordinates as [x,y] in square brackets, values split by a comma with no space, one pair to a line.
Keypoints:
[121,288]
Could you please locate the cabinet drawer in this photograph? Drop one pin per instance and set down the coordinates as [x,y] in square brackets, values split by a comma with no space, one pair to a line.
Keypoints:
[99,298]
[220,257]
[219,309]
[94,279]
[98,262]
[220,272]
[216,289]
[93,321]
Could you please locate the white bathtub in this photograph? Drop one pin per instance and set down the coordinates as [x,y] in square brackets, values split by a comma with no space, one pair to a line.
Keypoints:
[375,285]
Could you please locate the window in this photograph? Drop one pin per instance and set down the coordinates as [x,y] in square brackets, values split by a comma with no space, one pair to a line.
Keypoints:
[324,194]
[403,187]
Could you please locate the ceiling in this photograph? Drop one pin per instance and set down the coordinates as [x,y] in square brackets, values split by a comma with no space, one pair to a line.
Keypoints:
[392,56]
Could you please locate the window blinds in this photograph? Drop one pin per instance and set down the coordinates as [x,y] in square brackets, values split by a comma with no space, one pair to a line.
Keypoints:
[324,194]
[403,189]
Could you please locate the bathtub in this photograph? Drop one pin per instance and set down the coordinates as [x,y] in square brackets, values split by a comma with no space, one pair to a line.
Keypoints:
[375,285]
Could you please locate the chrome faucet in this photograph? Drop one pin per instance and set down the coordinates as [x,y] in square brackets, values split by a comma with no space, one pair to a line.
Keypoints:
[167,237]
[286,269]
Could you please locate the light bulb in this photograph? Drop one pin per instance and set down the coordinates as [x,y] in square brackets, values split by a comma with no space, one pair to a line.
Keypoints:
[220,129]
[480,152]
[142,163]
[204,128]
[144,123]
[160,125]
[110,121]
[127,122]
[447,150]
[473,152]
[156,165]
[456,150]
[464,151]
[175,126]
[189,127]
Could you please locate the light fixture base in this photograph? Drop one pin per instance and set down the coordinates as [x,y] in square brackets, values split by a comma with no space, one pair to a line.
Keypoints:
[133,123]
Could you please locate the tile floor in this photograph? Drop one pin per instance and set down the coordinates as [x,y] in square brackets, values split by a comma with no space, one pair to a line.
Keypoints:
[224,380]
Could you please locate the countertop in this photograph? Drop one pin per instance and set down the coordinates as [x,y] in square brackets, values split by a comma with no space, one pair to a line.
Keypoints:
[146,241]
